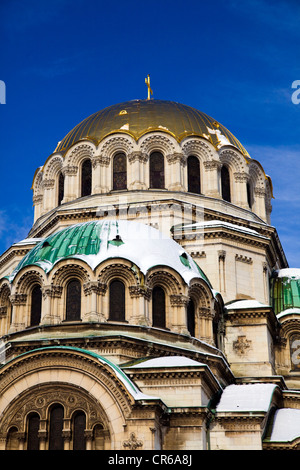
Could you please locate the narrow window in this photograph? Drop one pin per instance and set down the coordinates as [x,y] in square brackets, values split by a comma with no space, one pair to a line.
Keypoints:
[193,167]
[98,436]
[61,188]
[191,317]
[56,427]
[36,306]
[249,195]
[119,172]
[86,178]
[158,307]
[117,301]
[33,432]
[79,425]
[157,177]
[73,301]
[225,182]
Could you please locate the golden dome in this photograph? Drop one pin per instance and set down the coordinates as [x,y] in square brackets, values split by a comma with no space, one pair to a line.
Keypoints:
[139,117]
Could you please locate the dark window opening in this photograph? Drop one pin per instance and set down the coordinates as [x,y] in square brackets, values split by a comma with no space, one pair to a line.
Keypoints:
[249,195]
[79,425]
[33,432]
[225,181]
[158,307]
[117,301]
[119,172]
[191,318]
[86,178]
[36,306]
[56,441]
[157,177]
[73,303]
[193,166]
[61,188]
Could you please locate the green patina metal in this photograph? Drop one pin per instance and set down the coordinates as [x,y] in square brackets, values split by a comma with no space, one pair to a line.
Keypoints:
[284,292]
[81,239]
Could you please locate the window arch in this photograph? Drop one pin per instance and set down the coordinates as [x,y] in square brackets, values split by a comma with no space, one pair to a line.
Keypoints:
[225,183]
[117,301]
[73,300]
[158,307]
[33,425]
[56,428]
[191,317]
[193,168]
[86,178]
[36,306]
[157,172]
[61,188]
[12,441]
[79,425]
[119,172]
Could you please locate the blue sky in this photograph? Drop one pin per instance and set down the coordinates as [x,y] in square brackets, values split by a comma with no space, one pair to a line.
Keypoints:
[62,60]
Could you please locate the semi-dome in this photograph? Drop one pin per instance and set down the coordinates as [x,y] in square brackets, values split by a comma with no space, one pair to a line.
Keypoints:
[139,117]
[96,241]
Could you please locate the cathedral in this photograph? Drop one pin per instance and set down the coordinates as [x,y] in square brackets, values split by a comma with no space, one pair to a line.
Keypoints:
[151,306]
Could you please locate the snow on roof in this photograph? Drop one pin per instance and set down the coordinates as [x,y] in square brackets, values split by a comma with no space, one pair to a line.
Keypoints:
[28,241]
[289,311]
[168,361]
[221,223]
[96,241]
[286,425]
[246,398]
[293,273]
[245,304]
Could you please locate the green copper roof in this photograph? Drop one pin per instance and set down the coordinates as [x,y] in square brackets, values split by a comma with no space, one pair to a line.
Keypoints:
[96,241]
[285,289]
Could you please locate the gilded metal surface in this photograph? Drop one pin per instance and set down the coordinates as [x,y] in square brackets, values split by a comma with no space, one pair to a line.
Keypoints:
[139,117]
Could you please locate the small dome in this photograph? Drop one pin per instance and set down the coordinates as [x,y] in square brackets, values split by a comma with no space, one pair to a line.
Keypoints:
[285,289]
[96,241]
[139,117]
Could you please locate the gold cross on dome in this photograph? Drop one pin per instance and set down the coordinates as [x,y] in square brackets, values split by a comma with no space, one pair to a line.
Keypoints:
[147,81]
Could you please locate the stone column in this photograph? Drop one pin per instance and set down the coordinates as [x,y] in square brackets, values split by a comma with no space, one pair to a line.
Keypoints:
[49,201]
[18,302]
[139,297]
[71,186]
[260,203]
[176,163]
[239,195]
[49,314]
[211,179]
[179,318]
[136,175]
[38,206]
[101,180]
[88,434]
[92,290]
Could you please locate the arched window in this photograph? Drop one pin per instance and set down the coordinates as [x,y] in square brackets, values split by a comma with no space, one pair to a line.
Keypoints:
[73,300]
[12,441]
[79,425]
[33,432]
[61,188]
[86,178]
[36,306]
[158,307]
[56,441]
[99,437]
[193,167]
[225,182]
[117,301]
[157,173]
[249,194]
[119,172]
[191,317]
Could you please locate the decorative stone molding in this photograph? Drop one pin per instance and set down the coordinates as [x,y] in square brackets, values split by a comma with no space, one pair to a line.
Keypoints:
[241,177]
[138,156]
[52,291]
[137,291]
[241,345]
[70,170]
[94,286]
[212,165]
[179,300]
[48,183]
[176,157]
[199,148]
[132,443]
[18,299]
[244,259]
[101,160]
